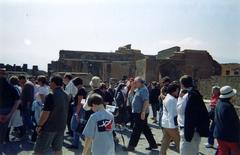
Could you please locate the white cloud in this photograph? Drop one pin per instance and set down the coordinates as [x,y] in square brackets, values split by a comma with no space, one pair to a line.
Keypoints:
[185,43]
[27,42]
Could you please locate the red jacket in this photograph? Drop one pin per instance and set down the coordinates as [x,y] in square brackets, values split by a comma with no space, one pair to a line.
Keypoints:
[214,101]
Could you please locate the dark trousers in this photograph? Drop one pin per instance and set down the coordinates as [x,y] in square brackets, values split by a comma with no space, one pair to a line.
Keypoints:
[130,116]
[69,118]
[212,126]
[211,130]
[141,126]
[154,109]
[26,114]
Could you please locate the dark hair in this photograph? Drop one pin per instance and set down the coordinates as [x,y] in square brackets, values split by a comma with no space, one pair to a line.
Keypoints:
[14,80]
[186,81]
[57,80]
[166,79]
[120,87]
[22,77]
[94,99]
[103,86]
[42,79]
[77,81]
[154,83]
[68,75]
[172,87]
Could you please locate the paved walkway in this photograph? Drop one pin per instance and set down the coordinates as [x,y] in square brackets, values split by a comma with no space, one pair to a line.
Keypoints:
[24,148]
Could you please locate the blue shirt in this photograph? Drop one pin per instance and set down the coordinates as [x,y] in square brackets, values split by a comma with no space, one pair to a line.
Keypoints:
[141,95]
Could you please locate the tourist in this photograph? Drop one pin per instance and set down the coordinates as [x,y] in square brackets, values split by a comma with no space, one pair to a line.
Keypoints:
[193,118]
[53,120]
[42,92]
[153,100]
[9,102]
[140,109]
[16,120]
[71,91]
[213,103]
[130,95]
[163,92]
[111,90]
[227,124]
[169,119]
[78,112]
[95,84]
[121,99]
[107,97]
[98,131]
[27,98]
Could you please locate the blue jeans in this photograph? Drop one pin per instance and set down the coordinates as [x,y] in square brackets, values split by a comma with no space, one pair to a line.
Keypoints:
[74,125]
[27,119]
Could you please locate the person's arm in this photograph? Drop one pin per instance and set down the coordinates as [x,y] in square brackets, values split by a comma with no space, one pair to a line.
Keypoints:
[144,110]
[79,104]
[43,119]
[87,146]
[9,115]
[48,107]
[172,111]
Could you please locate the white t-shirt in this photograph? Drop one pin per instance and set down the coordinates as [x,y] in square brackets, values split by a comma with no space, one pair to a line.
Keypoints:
[42,90]
[169,111]
[71,90]
[100,127]
[181,106]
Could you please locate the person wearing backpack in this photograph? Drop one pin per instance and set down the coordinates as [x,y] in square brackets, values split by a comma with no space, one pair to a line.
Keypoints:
[193,118]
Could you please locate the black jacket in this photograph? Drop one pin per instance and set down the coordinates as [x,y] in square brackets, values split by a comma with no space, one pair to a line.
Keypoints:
[196,116]
[227,126]
[153,95]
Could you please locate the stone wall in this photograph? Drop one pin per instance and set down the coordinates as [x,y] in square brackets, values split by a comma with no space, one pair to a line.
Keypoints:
[205,86]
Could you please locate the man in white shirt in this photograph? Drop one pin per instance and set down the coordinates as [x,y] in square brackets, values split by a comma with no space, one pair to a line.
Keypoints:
[190,107]
[71,91]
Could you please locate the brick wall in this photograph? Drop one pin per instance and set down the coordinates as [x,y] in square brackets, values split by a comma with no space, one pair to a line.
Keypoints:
[205,86]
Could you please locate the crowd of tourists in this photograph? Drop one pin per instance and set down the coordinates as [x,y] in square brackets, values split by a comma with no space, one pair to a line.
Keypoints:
[43,111]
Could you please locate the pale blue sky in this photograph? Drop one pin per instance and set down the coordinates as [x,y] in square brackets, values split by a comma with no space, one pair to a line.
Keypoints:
[33,32]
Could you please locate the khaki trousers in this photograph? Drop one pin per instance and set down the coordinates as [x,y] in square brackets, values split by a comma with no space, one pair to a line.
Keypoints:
[168,135]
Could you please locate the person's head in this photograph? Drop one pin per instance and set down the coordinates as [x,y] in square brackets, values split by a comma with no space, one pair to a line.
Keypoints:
[14,80]
[95,101]
[166,81]
[139,82]
[173,89]
[78,82]
[56,82]
[227,93]
[103,87]
[95,82]
[216,90]
[42,80]
[154,84]
[186,81]
[130,83]
[67,78]
[2,72]
[120,87]
[22,79]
